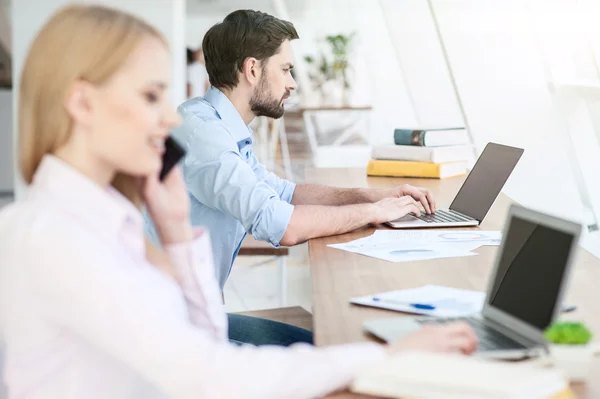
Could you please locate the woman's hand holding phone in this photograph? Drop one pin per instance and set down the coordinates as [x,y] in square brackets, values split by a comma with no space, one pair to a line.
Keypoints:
[167,200]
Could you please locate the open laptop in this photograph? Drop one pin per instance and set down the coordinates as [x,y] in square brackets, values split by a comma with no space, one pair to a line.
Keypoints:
[477,194]
[524,293]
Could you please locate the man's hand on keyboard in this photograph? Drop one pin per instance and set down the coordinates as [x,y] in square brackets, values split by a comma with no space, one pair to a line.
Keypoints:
[419,194]
[455,337]
[394,208]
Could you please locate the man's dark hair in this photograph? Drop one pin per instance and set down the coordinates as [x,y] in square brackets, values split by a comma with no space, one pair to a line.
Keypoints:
[189,55]
[242,34]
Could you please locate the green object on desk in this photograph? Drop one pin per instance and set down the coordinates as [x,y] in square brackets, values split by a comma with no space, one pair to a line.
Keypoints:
[568,333]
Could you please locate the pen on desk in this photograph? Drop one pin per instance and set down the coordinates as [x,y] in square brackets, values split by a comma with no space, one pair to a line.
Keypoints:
[568,308]
[421,306]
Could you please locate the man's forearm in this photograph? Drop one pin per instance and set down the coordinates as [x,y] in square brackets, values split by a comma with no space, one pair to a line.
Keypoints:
[315,194]
[310,221]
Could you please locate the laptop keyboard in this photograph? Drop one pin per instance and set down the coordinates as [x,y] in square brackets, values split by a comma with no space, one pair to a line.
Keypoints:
[441,216]
[489,338]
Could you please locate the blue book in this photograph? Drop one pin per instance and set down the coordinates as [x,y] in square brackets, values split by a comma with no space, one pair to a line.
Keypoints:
[431,137]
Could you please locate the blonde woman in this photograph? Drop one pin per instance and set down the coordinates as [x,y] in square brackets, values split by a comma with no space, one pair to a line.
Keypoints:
[89,308]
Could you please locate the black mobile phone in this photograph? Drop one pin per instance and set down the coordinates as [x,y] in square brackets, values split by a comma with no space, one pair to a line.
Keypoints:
[173,154]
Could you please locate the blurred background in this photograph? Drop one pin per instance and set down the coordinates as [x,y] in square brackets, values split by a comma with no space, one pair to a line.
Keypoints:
[518,72]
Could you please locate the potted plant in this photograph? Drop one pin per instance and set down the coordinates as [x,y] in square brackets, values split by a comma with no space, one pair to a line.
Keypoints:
[570,348]
[330,73]
[340,49]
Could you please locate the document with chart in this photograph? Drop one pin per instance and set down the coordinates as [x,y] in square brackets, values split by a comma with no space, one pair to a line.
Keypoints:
[413,245]
[403,250]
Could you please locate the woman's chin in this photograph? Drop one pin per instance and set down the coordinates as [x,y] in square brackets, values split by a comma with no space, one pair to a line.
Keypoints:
[149,169]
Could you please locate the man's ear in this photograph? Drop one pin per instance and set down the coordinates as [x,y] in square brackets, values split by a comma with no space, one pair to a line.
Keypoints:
[251,70]
[79,102]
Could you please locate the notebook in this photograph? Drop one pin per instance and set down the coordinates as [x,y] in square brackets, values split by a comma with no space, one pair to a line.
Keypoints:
[444,376]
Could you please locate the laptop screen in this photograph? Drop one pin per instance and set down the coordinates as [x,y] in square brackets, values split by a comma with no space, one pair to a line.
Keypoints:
[484,183]
[530,271]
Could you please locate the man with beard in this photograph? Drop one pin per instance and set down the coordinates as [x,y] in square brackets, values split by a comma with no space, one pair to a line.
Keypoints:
[248,59]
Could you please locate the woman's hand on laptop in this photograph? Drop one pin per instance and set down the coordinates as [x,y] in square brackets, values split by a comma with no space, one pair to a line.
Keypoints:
[455,337]
[389,209]
[419,194]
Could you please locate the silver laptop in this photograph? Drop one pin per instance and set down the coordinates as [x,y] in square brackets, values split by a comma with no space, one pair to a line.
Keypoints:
[525,291]
[477,194]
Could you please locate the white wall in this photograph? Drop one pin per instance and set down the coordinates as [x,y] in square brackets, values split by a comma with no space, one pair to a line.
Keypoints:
[197,25]
[166,15]
[422,64]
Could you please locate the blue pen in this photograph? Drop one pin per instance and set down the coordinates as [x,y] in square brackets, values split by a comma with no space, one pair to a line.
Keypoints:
[568,308]
[421,306]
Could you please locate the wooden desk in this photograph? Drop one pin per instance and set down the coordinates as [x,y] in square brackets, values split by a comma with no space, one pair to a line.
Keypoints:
[339,275]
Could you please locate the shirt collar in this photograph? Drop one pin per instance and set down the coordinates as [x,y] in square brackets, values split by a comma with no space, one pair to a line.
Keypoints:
[228,114]
[104,208]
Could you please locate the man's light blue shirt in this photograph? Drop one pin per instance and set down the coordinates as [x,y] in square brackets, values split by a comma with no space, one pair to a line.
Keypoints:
[231,193]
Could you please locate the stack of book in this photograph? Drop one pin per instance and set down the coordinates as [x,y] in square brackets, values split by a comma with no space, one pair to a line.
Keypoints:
[431,153]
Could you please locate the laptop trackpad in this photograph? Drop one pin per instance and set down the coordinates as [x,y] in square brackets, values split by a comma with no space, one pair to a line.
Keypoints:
[392,329]
[408,220]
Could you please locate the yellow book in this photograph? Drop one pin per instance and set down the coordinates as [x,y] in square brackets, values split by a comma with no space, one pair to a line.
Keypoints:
[379,167]
[566,394]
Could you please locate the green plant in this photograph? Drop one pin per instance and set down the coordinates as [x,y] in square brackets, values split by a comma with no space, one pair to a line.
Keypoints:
[340,48]
[568,333]
[336,65]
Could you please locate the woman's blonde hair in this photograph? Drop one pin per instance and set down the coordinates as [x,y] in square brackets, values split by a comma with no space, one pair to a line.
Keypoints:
[79,42]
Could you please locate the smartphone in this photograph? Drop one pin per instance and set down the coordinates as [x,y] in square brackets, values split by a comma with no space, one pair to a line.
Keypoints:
[173,154]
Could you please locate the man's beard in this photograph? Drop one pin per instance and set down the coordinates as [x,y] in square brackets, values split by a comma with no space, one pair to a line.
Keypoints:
[262,104]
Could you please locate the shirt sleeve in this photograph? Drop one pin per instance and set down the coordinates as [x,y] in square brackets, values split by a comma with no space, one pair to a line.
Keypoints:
[194,266]
[284,188]
[133,314]
[217,176]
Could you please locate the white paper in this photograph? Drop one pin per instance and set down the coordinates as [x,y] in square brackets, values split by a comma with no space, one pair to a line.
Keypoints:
[448,302]
[467,246]
[445,235]
[402,251]
[438,243]
[413,245]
